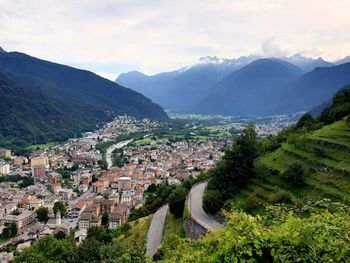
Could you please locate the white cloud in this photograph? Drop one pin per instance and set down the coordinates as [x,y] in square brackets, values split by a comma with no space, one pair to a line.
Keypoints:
[270,49]
[160,35]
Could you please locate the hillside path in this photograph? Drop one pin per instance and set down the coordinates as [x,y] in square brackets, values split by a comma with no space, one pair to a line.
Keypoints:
[195,206]
[155,231]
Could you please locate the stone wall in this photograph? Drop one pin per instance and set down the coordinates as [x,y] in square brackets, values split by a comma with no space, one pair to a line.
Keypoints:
[193,230]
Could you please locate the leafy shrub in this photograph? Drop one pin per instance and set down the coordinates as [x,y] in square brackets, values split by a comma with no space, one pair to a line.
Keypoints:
[319,152]
[280,197]
[251,203]
[320,237]
[212,201]
[295,175]
[177,201]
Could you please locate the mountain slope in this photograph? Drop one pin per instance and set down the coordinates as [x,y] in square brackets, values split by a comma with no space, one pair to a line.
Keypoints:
[77,87]
[180,89]
[313,88]
[250,90]
[28,116]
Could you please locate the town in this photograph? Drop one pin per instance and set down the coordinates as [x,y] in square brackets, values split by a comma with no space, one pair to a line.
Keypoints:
[99,178]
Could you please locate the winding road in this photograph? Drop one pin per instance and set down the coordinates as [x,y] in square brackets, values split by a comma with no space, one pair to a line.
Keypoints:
[155,231]
[111,149]
[195,205]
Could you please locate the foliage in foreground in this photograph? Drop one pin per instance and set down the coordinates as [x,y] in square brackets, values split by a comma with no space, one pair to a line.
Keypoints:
[280,235]
[98,247]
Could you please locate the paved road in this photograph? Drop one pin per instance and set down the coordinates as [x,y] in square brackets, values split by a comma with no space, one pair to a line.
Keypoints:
[111,149]
[195,205]
[155,231]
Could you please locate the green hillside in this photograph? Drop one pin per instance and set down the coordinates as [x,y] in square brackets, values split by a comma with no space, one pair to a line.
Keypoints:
[28,116]
[294,207]
[324,154]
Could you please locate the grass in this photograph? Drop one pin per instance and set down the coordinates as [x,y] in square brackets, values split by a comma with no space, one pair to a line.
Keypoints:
[145,141]
[338,133]
[41,146]
[137,235]
[329,160]
[173,226]
[269,186]
[172,229]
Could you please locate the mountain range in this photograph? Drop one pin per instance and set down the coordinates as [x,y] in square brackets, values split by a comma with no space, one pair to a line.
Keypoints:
[249,85]
[76,99]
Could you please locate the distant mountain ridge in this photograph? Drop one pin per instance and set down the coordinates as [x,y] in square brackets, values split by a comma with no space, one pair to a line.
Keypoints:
[247,91]
[315,87]
[178,90]
[197,89]
[307,64]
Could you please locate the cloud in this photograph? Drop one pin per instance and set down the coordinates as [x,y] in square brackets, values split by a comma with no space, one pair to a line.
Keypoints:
[269,48]
[158,35]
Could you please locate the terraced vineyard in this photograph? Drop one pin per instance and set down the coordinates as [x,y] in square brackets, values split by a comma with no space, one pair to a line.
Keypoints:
[324,153]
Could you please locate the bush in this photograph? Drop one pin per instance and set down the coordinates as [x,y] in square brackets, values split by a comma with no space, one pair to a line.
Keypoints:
[251,203]
[212,201]
[320,237]
[280,197]
[295,175]
[42,214]
[177,201]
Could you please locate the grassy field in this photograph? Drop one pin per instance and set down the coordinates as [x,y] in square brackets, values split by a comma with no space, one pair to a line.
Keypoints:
[145,141]
[137,235]
[41,146]
[327,167]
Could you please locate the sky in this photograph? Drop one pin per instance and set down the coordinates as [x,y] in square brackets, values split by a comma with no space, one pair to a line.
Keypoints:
[114,36]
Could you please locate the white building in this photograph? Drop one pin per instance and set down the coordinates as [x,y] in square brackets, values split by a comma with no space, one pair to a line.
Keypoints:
[126,197]
[4,168]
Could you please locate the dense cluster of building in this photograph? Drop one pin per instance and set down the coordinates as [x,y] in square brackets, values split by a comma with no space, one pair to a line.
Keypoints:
[70,173]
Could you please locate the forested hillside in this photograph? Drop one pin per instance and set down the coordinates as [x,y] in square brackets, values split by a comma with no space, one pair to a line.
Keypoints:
[28,116]
[78,88]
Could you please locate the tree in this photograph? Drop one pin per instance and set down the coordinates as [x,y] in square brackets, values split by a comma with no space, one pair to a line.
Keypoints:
[306,121]
[177,201]
[13,229]
[212,201]
[59,206]
[10,230]
[6,233]
[152,188]
[104,219]
[60,235]
[237,166]
[295,174]
[340,107]
[42,214]
[233,171]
